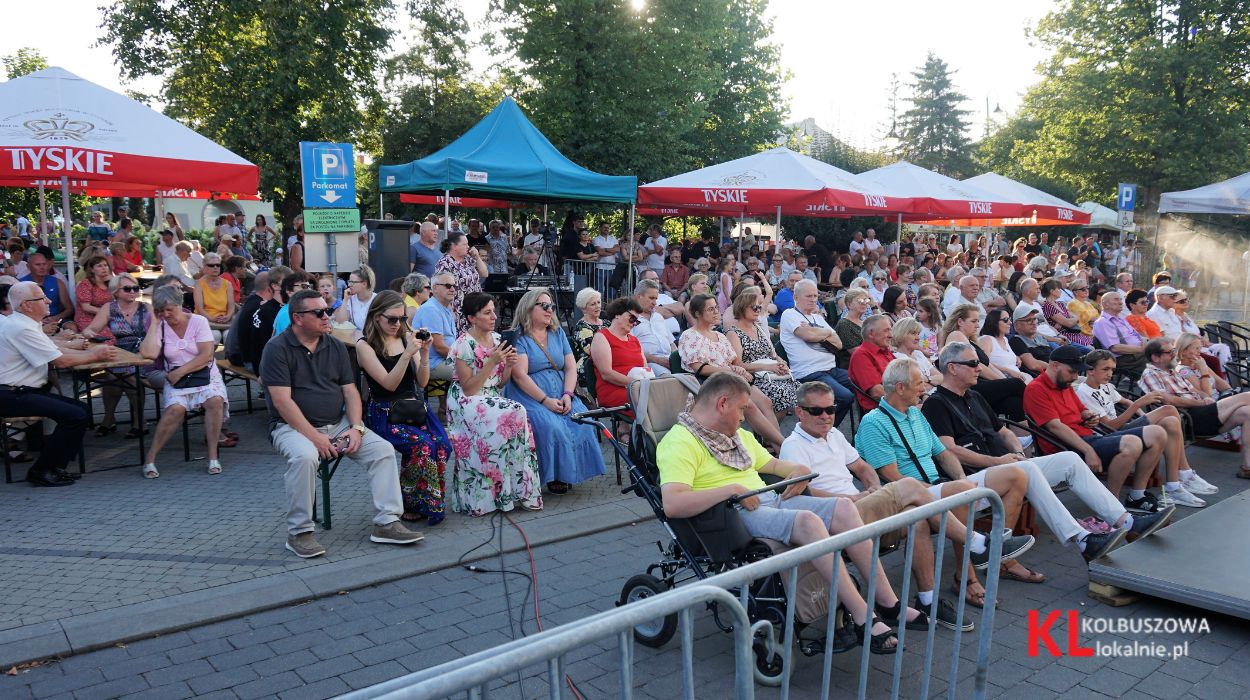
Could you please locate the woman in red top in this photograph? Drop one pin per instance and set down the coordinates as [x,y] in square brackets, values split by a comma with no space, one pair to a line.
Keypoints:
[93,292]
[614,352]
[134,253]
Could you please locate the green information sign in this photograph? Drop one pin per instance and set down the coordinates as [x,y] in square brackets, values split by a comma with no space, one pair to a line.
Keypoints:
[332,220]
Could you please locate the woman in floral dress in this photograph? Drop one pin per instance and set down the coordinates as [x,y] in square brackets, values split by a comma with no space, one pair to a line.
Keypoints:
[395,363]
[753,347]
[496,460]
[465,264]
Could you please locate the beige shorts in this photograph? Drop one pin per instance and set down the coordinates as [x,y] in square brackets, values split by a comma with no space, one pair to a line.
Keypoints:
[881,504]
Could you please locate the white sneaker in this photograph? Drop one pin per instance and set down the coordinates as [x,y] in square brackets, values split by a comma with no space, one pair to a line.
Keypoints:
[1198,485]
[1165,501]
[1181,497]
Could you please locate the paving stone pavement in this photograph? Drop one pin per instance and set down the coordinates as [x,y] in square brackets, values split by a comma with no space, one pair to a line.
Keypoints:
[71,556]
[329,646]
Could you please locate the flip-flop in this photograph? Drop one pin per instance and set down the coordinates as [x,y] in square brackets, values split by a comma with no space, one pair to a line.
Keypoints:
[1243,473]
[1032,577]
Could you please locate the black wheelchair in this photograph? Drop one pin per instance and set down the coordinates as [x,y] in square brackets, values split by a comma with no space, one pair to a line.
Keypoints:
[713,542]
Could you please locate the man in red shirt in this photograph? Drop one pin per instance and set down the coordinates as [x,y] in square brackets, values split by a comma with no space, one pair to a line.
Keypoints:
[868,361]
[1051,402]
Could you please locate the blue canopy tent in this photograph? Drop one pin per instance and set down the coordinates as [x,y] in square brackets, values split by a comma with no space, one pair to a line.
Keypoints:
[504,154]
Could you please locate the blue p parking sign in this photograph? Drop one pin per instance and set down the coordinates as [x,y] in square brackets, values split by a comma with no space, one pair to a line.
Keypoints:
[1128,197]
[329,173]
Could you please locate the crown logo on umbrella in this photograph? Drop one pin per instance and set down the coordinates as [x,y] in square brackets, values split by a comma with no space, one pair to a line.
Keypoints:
[59,128]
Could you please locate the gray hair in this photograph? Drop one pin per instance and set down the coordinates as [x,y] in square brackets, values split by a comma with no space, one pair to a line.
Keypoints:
[116,283]
[1037,262]
[897,372]
[23,292]
[872,321]
[804,283]
[183,245]
[212,258]
[415,282]
[166,296]
[432,226]
[1111,293]
[644,285]
[807,389]
[905,327]
[444,278]
[529,250]
[586,297]
[952,351]
[968,278]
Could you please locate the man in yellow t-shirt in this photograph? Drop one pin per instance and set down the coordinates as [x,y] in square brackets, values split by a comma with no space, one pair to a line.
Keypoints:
[707,458]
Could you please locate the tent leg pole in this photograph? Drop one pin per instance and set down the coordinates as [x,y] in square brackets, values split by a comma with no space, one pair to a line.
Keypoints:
[898,236]
[778,240]
[629,274]
[67,233]
[43,215]
[381,208]
[446,212]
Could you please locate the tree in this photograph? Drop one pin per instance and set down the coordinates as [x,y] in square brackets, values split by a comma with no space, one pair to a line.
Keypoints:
[934,130]
[259,77]
[1149,92]
[23,62]
[652,91]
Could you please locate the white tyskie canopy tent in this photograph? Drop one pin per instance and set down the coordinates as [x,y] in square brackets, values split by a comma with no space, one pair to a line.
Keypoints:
[941,197]
[1231,196]
[1101,216]
[57,128]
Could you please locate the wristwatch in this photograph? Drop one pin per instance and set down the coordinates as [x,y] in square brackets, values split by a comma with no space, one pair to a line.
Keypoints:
[360,428]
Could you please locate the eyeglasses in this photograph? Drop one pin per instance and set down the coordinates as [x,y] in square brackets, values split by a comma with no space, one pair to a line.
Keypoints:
[757,308]
[965,363]
[1167,352]
[212,264]
[545,306]
[393,319]
[41,299]
[819,410]
[1182,301]
[1080,289]
[129,288]
[319,313]
[448,285]
[355,281]
[303,285]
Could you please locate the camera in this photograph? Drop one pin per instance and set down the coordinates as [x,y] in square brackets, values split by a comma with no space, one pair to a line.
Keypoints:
[549,231]
[422,334]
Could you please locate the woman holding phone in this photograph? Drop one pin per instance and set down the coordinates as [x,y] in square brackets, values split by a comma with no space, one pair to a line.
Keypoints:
[496,463]
[356,298]
[396,360]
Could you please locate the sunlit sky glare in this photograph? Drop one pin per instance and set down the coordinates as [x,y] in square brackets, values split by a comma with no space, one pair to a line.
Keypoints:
[840,54]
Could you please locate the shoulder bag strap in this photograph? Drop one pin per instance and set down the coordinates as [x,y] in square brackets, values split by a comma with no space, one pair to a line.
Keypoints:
[910,453]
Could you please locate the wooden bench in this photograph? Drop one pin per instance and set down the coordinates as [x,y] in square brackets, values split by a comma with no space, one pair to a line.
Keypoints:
[232,373]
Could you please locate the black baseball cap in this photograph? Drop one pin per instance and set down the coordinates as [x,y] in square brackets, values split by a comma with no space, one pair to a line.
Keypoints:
[1070,356]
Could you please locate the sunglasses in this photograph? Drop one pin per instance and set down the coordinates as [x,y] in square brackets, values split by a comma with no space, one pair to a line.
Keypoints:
[319,313]
[212,264]
[1182,301]
[819,410]
[129,289]
[965,363]
[757,308]
[634,320]
[545,306]
[393,319]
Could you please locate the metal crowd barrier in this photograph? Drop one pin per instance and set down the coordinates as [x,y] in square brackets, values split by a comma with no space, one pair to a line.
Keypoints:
[586,273]
[474,674]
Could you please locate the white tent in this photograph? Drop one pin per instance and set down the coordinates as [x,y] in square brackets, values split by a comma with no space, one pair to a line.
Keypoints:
[1100,216]
[1228,197]
[61,130]
[942,197]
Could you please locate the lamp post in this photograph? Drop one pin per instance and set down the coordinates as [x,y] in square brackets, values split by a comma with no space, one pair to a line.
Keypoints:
[997,110]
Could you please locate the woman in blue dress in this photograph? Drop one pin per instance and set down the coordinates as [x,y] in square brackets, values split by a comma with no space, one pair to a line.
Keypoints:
[543,381]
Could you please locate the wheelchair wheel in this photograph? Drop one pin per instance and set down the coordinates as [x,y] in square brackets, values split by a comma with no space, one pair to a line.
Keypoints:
[653,633]
[768,662]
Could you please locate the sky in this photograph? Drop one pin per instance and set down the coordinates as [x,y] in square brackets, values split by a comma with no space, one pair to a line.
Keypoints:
[840,54]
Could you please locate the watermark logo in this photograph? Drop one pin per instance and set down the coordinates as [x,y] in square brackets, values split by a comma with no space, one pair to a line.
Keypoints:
[1042,635]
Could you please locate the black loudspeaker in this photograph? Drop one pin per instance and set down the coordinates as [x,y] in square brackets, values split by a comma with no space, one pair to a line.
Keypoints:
[388,249]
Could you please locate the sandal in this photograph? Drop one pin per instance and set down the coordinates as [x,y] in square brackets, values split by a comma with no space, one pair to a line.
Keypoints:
[974,598]
[890,616]
[134,433]
[214,466]
[1243,473]
[880,643]
[149,471]
[224,442]
[559,488]
[1029,575]
[230,434]
[101,430]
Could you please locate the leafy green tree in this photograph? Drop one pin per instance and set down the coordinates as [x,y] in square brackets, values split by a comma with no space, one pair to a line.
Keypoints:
[1149,92]
[259,77]
[24,61]
[934,130]
[652,91]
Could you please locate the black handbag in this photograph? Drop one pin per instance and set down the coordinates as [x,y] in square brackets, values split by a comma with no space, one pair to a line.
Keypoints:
[409,411]
[194,380]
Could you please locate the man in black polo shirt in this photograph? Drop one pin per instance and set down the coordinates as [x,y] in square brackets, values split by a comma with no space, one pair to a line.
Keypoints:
[1032,349]
[968,427]
[315,414]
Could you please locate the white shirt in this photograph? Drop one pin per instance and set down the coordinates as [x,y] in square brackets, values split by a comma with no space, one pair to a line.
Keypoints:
[164,251]
[805,359]
[673,326]
[655,248]
[828,457]
[27,351]
[195,263]
[655,338]
[856,248]
[606,262]
[173,265]
[1168,322]
[871,245]
[1102,400]
[23,225]
[951,301]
